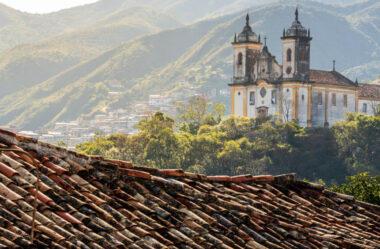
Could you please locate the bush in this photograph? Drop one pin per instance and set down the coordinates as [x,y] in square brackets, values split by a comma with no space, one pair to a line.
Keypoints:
[363,187]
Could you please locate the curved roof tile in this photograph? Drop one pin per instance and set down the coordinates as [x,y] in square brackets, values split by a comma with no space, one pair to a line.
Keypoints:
[91,202]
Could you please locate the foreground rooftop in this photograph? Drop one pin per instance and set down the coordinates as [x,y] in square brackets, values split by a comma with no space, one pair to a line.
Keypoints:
[92,202]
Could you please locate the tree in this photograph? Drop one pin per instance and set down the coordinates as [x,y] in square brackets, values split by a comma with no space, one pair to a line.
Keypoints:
[198,111]
[241,145]
[231,157]
[155,124]
[62,143]
[99,145]
[164,151]
[374,107]
[193,112]
[358,141]
[237,127]
[363,187]
[286,106]
[203,149]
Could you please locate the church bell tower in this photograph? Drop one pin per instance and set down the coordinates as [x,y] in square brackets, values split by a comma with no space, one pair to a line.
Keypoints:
[296,51]
[246,47]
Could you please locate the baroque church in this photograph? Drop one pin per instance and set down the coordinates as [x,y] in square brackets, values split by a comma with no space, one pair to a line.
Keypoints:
[292,91]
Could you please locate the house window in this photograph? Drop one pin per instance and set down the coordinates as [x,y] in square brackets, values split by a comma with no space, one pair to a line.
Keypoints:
[345,100]
[319,98]
[364,108]
[333,99]
[252,98]
[289,55]
[240,59]
[274,97]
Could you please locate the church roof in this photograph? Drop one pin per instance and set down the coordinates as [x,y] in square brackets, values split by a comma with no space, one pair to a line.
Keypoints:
[330,77]
[296,29]
[92,202]
[369,91]
[247,35]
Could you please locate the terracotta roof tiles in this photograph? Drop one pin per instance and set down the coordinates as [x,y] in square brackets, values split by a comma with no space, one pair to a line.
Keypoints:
[369,91]
[330,77]
[91,202]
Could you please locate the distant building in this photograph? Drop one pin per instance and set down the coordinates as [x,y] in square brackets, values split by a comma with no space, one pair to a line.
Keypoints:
[292,91]
[53,137]
[158,100]
[31,134]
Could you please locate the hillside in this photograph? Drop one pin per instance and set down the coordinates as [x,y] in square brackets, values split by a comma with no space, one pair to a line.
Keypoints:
[197,56]
[44,59]
[80,88]
[18,27]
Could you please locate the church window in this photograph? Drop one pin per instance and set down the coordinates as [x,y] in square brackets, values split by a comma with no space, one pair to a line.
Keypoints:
[274,97]
[240,59]
[333,99]
[303,54]
[252,98]
[364,108]
[345,100]
[319,98]
[303,97]
[263,92]
[239,93]
[289,55]
[288,70]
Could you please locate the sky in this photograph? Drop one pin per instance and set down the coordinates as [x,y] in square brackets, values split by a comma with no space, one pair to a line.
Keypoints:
[43,6]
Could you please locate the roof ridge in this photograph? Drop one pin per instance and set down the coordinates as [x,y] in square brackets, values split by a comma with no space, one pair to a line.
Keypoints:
[127,168]
[338,74]
[120,167]
[81,205]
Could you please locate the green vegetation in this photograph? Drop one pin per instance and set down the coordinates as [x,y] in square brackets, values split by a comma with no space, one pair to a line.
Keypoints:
[47,58]
[358,142]
[363,187]
[202,142]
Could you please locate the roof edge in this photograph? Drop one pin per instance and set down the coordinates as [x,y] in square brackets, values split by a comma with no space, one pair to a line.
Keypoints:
[165,176]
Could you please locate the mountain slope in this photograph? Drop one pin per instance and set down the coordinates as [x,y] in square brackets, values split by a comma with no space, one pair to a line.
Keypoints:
[18,27]
[134,59]
[196,56]
[42,60]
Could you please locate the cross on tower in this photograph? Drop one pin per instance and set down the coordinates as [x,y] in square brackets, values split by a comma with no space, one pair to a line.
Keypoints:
[334,65]
[265,40]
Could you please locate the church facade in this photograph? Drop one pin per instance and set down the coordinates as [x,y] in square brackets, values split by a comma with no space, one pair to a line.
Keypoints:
[291,90]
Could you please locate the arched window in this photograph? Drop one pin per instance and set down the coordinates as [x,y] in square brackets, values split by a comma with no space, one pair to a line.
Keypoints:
[252,98]
[240,59]
[289,55]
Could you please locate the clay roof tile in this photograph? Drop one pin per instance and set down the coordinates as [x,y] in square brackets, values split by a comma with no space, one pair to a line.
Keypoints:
[100,203]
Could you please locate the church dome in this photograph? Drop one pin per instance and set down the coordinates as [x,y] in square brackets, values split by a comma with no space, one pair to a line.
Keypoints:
[247,35]
[296,29]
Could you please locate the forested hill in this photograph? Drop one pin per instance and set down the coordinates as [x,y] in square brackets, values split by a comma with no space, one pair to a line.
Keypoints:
[29,64]
[66,76]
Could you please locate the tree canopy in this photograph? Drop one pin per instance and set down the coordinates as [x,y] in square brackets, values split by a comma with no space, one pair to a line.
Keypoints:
[202,141]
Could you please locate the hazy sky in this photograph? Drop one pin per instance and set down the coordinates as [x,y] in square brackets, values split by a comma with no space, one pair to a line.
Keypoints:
[43,6]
